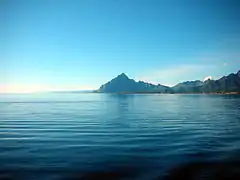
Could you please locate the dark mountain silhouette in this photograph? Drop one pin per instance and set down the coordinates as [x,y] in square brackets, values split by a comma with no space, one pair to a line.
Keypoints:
[226,84]
[123,84]
[188,86]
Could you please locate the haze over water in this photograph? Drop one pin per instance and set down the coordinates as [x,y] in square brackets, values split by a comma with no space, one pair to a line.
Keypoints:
[111,136]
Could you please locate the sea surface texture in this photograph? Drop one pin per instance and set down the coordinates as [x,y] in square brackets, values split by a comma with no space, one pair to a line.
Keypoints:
[72,136]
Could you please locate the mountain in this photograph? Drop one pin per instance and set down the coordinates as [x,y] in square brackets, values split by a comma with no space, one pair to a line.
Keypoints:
[188,87]
[226,84]
[123,84]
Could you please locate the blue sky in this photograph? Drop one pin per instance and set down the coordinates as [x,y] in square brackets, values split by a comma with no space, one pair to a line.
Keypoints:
[54,45]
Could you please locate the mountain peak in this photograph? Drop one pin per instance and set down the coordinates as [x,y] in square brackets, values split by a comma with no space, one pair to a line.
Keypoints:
[122,83]
[123,75]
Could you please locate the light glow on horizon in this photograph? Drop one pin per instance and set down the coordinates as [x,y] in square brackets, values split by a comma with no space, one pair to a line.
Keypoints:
[25,89]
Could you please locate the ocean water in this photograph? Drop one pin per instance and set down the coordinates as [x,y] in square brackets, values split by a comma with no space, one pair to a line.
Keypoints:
[61,136]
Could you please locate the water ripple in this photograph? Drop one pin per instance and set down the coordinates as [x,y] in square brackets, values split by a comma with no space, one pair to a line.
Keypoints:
[98,135]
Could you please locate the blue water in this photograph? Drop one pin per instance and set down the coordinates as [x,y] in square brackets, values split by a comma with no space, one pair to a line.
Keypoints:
[108,136]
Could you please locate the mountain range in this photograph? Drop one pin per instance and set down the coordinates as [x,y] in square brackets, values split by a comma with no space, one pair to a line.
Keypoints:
[123,84]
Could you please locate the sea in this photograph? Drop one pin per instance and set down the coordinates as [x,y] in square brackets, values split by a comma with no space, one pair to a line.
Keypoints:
[86,136]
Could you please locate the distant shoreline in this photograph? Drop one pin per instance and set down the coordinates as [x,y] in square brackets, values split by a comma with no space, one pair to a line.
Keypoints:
[225,93]
[95,91]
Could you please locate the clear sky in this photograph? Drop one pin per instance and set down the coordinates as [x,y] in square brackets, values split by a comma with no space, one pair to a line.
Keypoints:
[60,45]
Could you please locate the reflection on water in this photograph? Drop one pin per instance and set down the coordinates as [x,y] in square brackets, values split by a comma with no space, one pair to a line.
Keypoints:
[119,136]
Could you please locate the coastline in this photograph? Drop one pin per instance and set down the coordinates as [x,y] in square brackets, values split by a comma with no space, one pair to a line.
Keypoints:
[204,93]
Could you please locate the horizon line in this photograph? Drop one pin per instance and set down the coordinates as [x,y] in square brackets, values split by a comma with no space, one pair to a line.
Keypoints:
[94,89]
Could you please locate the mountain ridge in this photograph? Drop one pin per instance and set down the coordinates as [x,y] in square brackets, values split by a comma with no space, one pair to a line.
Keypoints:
[123,84]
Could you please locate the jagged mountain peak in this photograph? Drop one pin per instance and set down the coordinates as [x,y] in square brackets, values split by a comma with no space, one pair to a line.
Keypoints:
[122,83]
[123,74]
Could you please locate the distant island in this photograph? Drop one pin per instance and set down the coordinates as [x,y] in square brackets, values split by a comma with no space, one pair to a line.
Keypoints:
[229,84]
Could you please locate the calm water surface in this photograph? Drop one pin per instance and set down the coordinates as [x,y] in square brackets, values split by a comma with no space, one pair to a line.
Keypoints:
[110,136]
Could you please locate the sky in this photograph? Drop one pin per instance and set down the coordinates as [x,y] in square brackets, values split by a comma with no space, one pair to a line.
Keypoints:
[76,45]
